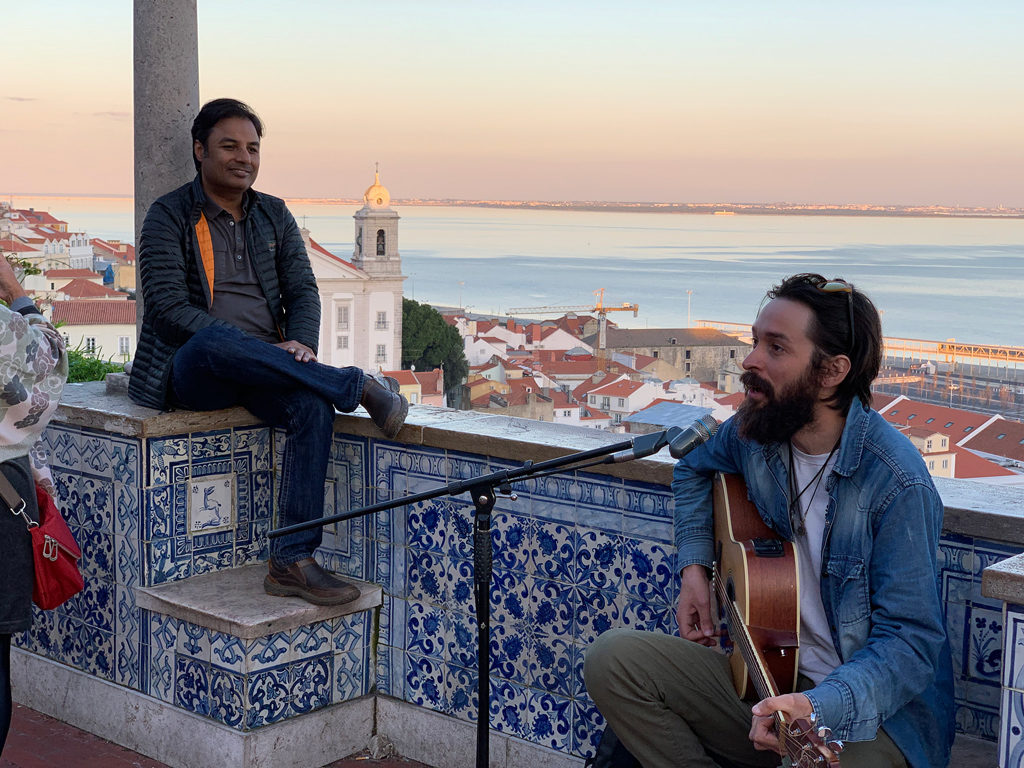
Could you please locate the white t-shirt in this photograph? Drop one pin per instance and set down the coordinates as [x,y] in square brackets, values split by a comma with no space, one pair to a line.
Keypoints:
[818,655]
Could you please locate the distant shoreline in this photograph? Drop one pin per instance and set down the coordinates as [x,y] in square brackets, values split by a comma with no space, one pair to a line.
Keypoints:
[596,206]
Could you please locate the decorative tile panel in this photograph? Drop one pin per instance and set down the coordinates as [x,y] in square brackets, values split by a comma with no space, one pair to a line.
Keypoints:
[211,504]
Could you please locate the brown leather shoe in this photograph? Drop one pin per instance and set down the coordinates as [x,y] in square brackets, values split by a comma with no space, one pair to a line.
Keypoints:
[386,407]
[308,580]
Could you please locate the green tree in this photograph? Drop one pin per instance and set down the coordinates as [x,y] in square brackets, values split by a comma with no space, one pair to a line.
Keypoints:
[428,342]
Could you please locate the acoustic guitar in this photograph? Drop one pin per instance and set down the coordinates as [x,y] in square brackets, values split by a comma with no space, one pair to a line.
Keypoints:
[757,587]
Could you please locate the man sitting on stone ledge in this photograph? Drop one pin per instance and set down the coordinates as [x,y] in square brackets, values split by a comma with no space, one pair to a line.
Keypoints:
[232,317]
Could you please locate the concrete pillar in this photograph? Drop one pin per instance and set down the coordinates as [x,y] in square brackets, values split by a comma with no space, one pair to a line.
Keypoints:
[166,100]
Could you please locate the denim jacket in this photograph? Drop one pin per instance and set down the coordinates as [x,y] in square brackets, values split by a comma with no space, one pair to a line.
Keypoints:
[879,580]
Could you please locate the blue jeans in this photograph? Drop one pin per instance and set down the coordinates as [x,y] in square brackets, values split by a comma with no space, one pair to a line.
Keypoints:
[220,367]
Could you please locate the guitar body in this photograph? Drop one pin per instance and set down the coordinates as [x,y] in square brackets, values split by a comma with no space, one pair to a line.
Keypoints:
[759,571]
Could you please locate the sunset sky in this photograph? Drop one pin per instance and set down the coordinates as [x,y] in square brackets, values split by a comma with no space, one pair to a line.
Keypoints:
[912,102]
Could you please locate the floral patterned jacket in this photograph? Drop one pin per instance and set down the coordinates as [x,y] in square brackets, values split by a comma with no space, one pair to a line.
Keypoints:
[33,369]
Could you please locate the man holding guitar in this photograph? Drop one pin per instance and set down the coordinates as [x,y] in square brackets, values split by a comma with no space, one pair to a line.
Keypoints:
[860,518]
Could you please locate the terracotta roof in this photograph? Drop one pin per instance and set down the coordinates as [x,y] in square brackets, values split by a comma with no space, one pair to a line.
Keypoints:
[617,389]
[642,361]
[324,252]
[41,217]
[404,378]
[16,246]
[524,383]
[921,432]
[80,288]
[561,399]
[954,422]
[94,312]
[70,274]
[733,400]
[431,382]
[968,465]
[115,248]
[880,400]
[588,413]
[1000,438]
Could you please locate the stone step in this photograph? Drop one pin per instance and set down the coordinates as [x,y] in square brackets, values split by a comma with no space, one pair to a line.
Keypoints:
[233,602]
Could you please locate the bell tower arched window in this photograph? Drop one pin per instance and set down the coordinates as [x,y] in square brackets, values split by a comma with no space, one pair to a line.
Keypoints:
[380,242]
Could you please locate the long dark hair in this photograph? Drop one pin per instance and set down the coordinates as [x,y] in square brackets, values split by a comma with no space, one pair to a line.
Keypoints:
[832,335]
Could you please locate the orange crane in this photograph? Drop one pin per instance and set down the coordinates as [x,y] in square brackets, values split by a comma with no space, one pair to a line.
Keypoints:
[602,316]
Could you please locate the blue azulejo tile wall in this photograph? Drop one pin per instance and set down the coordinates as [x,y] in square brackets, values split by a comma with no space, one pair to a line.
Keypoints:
[147,511]
[975,626]
[97,478]
[574,555]
[246,684]
[1011,736]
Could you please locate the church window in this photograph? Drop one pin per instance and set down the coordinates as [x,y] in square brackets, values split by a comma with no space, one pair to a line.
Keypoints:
[342,318]
[343,342]
[382,321]
[382,353]
[380,242]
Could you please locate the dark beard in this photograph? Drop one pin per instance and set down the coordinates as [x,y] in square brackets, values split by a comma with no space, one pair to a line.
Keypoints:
[778,417]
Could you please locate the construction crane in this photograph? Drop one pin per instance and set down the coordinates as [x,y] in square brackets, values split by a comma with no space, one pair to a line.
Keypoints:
[602,316]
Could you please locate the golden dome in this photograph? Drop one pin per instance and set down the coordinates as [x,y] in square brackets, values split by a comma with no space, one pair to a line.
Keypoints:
[377,195]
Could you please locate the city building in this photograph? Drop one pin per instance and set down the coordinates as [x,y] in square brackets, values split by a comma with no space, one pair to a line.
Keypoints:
[420,388]
[361,300]
[101,327]
[697,352]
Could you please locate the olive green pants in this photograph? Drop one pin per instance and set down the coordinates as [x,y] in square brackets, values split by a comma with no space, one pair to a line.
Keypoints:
[673,705]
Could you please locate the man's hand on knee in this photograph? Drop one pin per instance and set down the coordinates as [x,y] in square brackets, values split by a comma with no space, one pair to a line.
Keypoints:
[298,350]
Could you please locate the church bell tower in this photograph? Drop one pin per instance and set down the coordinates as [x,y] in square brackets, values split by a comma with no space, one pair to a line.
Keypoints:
[376,249]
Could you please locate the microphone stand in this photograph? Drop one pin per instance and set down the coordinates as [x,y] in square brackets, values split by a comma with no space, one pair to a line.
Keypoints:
[484,491]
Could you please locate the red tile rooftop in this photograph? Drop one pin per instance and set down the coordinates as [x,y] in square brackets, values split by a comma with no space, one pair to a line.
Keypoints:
[93,312]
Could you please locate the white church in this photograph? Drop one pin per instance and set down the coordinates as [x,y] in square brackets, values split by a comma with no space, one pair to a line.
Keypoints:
[361,300]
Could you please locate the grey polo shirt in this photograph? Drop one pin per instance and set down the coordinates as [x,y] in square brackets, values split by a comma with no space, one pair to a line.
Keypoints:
[237,296]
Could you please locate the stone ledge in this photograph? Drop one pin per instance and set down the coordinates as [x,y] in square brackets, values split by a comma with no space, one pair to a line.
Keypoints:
[233,602]
[971,508]
[1005,581]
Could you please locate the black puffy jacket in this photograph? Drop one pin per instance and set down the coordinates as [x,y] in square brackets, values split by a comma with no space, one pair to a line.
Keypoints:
[176,293]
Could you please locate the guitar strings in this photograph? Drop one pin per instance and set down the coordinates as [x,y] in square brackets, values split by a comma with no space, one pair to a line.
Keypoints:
[760,677]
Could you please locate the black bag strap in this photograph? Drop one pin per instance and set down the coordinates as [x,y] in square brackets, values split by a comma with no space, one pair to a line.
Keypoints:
[14,501]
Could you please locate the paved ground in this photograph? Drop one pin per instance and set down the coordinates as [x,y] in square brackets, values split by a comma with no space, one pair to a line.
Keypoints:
[38,741]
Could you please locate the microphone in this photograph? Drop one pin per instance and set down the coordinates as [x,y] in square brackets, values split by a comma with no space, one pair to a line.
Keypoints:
[646,445]
[695,434]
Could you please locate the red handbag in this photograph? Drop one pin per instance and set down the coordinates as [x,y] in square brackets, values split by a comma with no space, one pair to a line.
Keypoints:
[56,556]
[55,552]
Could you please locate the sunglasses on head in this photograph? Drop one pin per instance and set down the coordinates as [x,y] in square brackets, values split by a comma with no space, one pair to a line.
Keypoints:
[838,285]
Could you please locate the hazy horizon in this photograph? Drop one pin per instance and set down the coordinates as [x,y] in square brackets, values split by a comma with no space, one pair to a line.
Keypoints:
[397,200]
[915,103]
